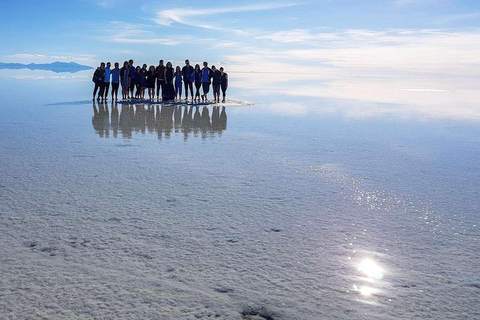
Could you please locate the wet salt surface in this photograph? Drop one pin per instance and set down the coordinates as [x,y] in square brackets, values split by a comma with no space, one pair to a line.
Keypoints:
[137,211]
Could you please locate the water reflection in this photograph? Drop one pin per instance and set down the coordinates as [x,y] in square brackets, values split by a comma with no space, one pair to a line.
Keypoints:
[193,121]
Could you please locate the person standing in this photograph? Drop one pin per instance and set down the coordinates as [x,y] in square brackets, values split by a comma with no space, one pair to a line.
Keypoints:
[143,74]
[138,82]
[178,83]
[197,79]
[187,71]
[115,80]
[216,84]
[206,76]
[223,83]
[125,80]
[168,90]
[106,85]
[98,77]
[132,77]
[151,77]
[160,71]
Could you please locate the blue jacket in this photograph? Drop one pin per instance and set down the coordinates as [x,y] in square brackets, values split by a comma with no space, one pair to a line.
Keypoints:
[107,74]
[116,75]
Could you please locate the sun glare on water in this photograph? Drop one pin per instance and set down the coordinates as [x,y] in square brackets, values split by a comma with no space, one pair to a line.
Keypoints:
[371,269]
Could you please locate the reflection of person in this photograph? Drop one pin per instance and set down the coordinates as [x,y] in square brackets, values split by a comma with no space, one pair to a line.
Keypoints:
[106,84]
[178,83]
[160,70]
[206,76]
[223,119]
[98,77]
[115,81]
[216,84]
[223,83]
[169,91]
[187,71]
[114,119]
[100,120]
[197,79]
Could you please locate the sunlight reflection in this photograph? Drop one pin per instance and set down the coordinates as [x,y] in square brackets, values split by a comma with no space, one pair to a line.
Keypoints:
[371,269]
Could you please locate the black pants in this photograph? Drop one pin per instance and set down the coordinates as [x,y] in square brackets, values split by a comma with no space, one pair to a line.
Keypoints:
[132,85]
[101,86]
[115,88]
[160,83]
[188,84]
[106,86]
[97,86]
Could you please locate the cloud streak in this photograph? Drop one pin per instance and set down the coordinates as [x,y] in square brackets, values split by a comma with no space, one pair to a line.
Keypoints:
[196,17]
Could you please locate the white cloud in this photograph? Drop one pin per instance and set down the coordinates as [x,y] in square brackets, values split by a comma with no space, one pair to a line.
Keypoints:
[227,44]
[131,33]
[27,56]
[194,17]
[298,35]
[417,51]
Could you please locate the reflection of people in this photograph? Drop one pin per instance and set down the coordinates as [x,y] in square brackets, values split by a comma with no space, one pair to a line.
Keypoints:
[100,121]
[187,71]
[157,118]
[115,81]
[169,91]
[98,77]
[206,76]
[223,82]
[216,75]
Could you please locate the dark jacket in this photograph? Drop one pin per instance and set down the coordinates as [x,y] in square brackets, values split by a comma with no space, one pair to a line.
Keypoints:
[160,71]
[216,77]
[98,75]
[186,73]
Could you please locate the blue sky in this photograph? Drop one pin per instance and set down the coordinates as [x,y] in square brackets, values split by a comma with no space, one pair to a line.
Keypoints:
[422,36]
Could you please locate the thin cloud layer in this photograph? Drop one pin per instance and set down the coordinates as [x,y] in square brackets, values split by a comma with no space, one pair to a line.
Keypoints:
[195,17]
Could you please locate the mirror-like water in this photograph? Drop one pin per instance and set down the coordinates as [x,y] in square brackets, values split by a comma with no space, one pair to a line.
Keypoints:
[346,197]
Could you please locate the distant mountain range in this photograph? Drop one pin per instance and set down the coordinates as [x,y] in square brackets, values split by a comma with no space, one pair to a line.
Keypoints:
[55,66]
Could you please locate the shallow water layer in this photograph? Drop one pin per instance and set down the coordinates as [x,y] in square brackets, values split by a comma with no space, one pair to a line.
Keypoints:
[325,205]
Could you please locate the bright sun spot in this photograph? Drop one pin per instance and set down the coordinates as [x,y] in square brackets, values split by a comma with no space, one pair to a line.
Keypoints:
[366,291]
[371,269]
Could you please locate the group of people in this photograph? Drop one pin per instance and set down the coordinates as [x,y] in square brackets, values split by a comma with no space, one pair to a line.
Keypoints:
[168,81]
